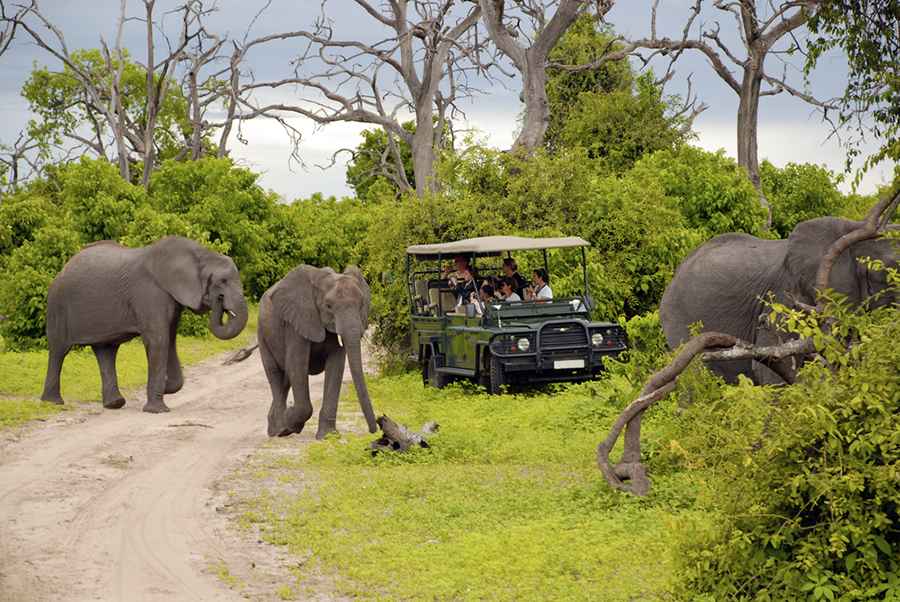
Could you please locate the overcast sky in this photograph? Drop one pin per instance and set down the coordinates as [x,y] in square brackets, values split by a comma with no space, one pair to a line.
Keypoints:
[789,130]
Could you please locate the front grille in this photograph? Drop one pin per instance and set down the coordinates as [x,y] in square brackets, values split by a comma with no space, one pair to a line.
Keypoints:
[563,336]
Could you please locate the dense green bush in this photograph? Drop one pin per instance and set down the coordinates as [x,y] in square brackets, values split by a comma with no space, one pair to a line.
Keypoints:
[798,192]
[24,279]
[803,481]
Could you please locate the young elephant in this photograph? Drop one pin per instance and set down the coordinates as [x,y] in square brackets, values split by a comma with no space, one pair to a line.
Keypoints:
[310,321]
[108,294]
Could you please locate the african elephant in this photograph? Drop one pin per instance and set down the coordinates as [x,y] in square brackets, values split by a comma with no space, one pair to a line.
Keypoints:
[309,321]
[726,282]
[108,294]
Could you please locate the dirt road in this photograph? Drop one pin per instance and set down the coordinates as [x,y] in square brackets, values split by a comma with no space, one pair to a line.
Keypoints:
[119,505]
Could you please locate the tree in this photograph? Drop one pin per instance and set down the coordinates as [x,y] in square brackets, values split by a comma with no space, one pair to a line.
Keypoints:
[428,43]
[372,161]
[508,22]
[110,105]
[760,36]
[867,32]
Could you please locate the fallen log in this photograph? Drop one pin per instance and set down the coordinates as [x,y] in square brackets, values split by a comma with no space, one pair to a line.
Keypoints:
[397,437]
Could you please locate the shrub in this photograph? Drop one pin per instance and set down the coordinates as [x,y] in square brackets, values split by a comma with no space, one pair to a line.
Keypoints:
[709,189]
[798,192]
[804,481]
[25,279]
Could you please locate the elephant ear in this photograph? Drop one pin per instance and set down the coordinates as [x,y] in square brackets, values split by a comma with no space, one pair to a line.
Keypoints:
[175,266]
[807,245]
[356,274]
[296,299]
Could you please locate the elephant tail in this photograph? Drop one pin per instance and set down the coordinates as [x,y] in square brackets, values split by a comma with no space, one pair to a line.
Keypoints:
[240,355]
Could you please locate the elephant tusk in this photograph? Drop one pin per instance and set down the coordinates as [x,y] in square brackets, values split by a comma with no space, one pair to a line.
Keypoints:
[340,340]
[231,313]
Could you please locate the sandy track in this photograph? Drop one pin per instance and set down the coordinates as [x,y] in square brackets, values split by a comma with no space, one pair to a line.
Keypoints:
[117,505]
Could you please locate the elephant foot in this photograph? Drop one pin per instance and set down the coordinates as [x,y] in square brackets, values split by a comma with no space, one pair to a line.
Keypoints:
[57,399]
[156,407]
[114,404]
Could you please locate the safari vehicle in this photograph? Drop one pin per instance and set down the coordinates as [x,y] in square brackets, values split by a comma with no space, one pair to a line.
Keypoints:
[501,342]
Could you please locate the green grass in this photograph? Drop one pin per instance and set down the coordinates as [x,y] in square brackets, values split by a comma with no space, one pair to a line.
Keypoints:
[22,374]
[506,505]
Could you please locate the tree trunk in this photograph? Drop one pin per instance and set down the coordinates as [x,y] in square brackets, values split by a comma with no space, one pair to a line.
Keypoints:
[537,108]
[423,152]
[747,127]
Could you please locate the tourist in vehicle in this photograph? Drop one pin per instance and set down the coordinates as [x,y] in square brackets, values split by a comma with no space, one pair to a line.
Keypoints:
[486,296]
[466,288]
[508,289]
[454,275]
[511,270]
[540,291]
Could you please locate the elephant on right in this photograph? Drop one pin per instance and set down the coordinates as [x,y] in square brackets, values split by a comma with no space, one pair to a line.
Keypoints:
[725,284]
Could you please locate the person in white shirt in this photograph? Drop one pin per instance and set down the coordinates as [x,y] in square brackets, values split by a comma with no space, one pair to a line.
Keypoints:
[540,291]
[508,291]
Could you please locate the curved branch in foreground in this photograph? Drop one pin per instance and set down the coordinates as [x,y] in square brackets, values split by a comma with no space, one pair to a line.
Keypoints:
[726,347]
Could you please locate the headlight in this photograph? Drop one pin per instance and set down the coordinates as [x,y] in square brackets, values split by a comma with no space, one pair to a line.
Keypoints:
[596,339]
[524,344]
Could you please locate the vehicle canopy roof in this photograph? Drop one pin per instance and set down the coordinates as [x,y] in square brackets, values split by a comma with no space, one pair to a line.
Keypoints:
[485,246]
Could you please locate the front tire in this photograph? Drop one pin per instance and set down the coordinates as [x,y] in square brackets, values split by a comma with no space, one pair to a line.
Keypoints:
[434,378]
[496,377]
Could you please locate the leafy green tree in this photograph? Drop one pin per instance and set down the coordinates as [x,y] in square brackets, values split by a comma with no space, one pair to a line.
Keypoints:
[374,163]
[24,279]
[866,31]
[619,127]
[798,192]
[582,44]
[709,189]
[67,114]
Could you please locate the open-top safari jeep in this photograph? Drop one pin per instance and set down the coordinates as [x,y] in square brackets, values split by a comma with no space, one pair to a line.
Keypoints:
[500,342]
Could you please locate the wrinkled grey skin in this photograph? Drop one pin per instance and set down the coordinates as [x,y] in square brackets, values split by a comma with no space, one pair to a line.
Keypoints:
[724,284]
[108,294]
[300,319]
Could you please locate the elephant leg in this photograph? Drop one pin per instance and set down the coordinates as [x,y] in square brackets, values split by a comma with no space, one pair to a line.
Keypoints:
[54,368]
[157,347]
[106,359]
[334,375]
[298,376]
[174,374]
[279,385]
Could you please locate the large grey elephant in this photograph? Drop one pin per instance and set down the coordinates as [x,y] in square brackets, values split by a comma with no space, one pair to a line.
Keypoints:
[726,282]
[310,321]
[108,294]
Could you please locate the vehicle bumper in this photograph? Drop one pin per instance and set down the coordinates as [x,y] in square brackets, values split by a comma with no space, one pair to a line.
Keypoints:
[549,367]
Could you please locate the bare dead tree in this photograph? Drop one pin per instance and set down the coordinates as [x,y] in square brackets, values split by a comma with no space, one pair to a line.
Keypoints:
[420,67]
[8,28]
[742,69]
[523,31]
[191,63]
[629,474]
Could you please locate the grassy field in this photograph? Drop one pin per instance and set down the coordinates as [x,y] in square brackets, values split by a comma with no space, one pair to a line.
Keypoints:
[22,374]
[507,504]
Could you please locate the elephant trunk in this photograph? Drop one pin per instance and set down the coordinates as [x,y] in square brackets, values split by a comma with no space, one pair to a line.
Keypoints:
[238,314]
[354,356]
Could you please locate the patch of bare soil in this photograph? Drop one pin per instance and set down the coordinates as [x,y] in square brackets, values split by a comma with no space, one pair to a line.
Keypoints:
[122,505]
